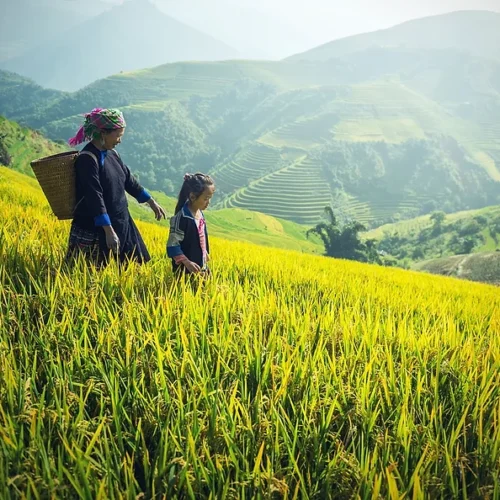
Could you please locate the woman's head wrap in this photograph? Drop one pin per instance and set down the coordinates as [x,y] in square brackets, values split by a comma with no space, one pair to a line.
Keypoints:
[96,121]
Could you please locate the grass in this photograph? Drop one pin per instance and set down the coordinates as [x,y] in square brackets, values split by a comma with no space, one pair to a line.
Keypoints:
[283,376]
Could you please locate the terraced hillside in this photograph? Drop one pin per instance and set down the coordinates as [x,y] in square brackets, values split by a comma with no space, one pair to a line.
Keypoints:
[375,181]
[252,163]
[382,134]
[298,192]
[377,209]
[303,133]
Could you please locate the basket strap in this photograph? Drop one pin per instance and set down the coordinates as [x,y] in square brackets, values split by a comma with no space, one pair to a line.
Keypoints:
[90,154]
[95,159]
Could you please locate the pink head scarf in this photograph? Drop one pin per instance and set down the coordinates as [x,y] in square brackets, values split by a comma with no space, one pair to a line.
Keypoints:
[96,121]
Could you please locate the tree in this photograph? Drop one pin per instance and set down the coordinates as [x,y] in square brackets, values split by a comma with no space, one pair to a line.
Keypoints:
[417,254]
[344,243]
[328,232]
[468,245]
[481,220]
[372,252]
[470,229]
[437,218]
[5,158]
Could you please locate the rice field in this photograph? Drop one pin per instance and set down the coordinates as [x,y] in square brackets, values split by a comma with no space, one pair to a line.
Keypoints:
[283,376]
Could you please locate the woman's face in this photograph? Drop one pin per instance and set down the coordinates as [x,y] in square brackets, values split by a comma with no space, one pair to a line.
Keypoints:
[113,138]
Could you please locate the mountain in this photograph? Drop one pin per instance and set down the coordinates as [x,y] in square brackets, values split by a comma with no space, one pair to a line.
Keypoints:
[475,32]
[112,43]
[391,133]
[255,32]
[25,24]
[381,135]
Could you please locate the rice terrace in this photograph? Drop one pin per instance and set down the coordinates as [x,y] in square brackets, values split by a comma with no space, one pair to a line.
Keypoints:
[305,345]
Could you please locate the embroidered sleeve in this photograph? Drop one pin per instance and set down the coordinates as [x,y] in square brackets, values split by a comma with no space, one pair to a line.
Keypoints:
[176,237]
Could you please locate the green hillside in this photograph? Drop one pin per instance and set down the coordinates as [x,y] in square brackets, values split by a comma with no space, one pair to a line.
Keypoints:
[382,134]
[440,235]
[20,145]
[410,226]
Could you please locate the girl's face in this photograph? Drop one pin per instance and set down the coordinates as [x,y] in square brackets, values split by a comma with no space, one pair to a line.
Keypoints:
[202,202]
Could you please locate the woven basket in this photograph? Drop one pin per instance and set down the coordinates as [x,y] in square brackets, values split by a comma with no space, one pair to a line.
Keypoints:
[56,175]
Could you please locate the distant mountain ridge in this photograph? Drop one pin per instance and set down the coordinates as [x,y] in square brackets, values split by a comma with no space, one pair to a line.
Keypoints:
[475,32]
[111,43]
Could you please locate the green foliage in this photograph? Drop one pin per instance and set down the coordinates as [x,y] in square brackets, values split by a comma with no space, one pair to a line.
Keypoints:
[460,234]
[392,178]
[23,100]
[344,242]
[5,157]
[438,218]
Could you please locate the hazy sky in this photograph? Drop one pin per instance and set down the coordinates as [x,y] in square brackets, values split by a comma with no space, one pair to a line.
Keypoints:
[292,25]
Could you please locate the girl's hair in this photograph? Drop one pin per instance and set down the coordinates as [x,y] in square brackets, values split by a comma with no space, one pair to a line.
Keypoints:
[193,183]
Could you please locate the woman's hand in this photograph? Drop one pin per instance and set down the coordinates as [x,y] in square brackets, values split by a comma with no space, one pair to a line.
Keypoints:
[192,267]
[158,211]
[112,240]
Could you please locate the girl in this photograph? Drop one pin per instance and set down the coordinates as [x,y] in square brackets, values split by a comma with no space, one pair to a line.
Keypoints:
[187,244]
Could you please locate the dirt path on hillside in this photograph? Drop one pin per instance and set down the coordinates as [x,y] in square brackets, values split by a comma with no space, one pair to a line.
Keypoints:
[461,264]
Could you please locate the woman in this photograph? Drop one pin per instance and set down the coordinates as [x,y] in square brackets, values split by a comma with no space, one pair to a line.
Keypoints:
[101,219]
